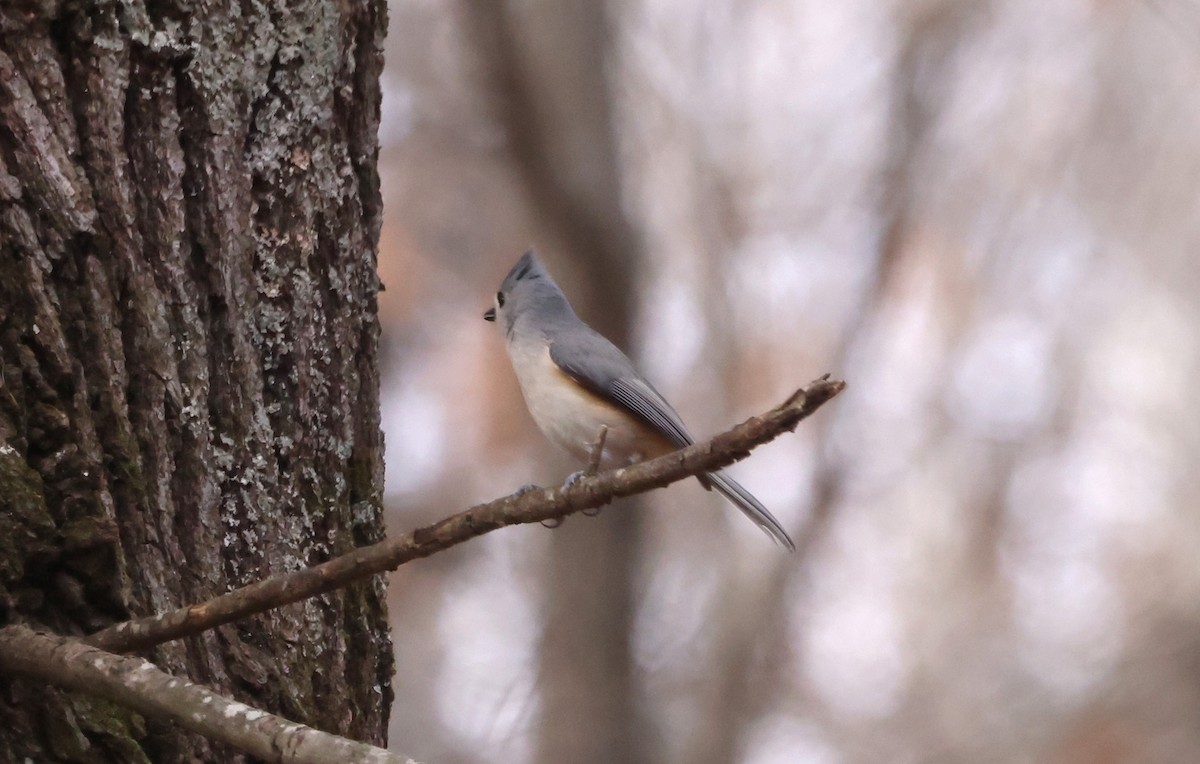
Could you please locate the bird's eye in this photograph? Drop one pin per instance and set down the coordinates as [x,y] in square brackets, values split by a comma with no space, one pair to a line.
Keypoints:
[500,299]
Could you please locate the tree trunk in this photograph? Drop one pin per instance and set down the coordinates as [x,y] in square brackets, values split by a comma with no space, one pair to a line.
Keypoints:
[189,211]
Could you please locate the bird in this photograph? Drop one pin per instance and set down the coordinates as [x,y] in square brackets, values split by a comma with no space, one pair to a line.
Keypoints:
[576,383]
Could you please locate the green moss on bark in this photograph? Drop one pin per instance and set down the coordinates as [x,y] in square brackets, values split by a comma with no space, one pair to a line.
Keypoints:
[26,528]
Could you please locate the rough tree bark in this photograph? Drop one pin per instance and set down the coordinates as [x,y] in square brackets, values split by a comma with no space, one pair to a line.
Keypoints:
[189,210]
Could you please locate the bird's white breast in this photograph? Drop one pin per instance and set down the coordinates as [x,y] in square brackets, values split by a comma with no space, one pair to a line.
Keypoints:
[571,417]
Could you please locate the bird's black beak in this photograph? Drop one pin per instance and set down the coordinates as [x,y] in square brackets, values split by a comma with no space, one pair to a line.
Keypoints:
[489,314]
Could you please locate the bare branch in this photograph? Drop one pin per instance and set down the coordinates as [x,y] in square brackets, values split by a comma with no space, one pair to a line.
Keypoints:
[528,507]
[142,686]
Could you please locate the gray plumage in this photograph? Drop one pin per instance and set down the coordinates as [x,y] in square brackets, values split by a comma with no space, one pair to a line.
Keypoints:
[574,381]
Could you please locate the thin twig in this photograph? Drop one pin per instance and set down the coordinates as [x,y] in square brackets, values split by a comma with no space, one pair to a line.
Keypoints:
[529,507]
[147,689]
[594,464]
[597,452]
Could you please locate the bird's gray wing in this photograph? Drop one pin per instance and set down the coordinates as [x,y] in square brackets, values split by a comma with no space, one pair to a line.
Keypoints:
[603,370]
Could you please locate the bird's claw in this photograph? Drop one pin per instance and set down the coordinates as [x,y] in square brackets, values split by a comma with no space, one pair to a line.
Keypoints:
[573,478]
[525,489]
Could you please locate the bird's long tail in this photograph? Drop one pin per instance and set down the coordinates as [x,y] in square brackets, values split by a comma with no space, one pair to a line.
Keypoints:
[751,506]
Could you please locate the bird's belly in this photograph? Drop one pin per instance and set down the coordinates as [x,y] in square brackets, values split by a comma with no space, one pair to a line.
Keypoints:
[571,417]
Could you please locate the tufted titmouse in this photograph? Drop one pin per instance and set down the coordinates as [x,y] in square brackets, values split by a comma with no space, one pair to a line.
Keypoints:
[575,382]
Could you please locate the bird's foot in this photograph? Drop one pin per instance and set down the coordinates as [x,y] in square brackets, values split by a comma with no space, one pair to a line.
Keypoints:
[525,489]
[574,478]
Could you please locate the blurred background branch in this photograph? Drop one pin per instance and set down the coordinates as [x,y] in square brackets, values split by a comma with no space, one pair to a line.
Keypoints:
[547,67]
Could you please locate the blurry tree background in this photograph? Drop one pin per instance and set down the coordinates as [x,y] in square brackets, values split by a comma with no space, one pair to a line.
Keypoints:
[984,215]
